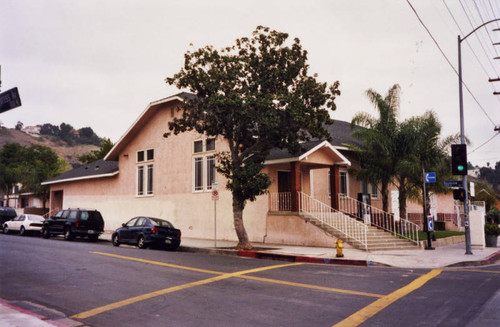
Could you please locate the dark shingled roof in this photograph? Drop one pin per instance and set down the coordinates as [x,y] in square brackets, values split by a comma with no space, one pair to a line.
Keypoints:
[94,169]
[341,136]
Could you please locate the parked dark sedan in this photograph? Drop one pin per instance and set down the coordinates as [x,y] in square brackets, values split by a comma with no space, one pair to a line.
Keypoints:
[146,231]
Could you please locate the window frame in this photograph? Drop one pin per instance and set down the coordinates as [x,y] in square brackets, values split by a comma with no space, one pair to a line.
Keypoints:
[202,169]
[144,176]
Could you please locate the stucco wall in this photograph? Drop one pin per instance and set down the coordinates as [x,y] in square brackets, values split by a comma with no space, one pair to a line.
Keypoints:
[293,230]
[173,196]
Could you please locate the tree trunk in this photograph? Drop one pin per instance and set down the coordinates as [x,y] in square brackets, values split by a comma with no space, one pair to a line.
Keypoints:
[243,242]
[402,202]
[385,196]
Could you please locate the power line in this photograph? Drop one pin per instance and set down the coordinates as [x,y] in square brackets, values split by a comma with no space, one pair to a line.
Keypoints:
[472,24]
[470,47]
[491,138]
[449,62]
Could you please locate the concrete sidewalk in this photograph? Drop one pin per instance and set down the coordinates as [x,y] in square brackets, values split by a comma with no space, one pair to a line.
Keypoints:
[443,256]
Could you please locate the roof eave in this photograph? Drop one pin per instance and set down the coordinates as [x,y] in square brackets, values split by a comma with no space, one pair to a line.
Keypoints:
[80,178]
[117,147]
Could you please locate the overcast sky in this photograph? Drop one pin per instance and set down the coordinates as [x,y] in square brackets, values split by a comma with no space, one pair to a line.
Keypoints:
[99,63]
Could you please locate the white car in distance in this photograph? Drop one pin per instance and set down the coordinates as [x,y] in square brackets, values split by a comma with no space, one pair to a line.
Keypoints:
[24,224]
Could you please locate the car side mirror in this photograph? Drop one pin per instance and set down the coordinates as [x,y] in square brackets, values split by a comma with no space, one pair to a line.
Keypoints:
[124,225]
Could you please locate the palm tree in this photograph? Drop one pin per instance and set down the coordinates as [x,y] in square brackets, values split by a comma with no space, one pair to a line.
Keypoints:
[418,148]
[376,151]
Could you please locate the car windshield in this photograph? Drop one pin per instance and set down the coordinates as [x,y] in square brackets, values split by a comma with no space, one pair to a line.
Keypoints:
[161,223]
[36,218]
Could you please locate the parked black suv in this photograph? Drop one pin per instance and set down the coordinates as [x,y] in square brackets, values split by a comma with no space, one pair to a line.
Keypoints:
[74,222]
[6,214]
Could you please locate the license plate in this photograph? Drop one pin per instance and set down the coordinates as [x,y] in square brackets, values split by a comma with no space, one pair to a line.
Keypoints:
[168,241]
[91,231]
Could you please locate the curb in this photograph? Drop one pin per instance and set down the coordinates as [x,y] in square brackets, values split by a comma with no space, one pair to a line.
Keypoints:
[492,258]
[279,257]
[296,258]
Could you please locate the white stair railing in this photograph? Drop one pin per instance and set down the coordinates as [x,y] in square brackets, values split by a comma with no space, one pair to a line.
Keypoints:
[328,216]
[379,218]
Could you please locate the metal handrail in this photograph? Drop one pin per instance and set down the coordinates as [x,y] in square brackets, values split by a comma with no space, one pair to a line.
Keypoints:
[379,218]
[335,219]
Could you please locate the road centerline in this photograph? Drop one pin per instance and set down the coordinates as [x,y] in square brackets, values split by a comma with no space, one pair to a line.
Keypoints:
[372,309]
[119,304]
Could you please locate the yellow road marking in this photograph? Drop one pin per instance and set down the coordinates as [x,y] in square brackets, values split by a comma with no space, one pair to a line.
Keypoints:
[475,270]
[338,290]
[370,310]
[143,297]
[159,263]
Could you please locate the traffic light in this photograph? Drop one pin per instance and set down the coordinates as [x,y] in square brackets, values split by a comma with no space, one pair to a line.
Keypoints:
[459,194]
[459,159]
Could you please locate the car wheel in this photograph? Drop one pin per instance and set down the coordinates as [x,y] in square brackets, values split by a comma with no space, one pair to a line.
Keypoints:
[6,229]
[140,242]
[115,240]
[68,236]
[45,232]
[22,231]
[94,237]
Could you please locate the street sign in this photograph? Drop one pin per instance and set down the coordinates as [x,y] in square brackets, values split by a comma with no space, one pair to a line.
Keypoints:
[215,195]
[430,223]
[453,184]
[9,100]
[430,177]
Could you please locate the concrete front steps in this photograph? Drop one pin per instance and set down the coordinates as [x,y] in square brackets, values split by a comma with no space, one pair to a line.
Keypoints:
[377,239]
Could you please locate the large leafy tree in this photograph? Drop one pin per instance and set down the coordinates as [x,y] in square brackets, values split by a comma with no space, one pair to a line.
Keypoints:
[41,163]
[377,141]
[257,95]
[11,158]
[29,166]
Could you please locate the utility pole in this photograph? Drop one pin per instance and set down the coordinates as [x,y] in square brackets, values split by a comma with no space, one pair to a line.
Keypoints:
[468,249]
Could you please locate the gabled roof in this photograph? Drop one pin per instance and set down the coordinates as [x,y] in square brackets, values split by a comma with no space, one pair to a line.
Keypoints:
[282,155]
[143,118]
[341,134]
[96,169]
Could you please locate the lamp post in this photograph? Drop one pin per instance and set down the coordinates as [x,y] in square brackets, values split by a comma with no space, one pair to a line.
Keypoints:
[468,249]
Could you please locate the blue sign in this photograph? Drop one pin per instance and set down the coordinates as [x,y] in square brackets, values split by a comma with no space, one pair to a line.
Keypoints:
[430,223]
[430,177]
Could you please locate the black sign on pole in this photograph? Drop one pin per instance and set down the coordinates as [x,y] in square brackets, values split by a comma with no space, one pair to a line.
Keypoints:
[453,184]
[9,100]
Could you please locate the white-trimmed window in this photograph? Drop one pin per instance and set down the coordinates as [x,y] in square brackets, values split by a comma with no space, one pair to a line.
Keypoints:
[204,172]
[369,188]
[145,172]
[343,184]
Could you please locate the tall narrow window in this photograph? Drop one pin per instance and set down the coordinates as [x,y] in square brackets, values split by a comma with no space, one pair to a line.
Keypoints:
[150,180]
[140,156]
[210,144]
[140,180]
[364,187]
[374,191]
[343,183]
[198,146]
[150,154]
[198,174]
[210,171]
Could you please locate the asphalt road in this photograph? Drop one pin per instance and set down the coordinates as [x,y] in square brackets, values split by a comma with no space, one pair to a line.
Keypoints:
[101,285]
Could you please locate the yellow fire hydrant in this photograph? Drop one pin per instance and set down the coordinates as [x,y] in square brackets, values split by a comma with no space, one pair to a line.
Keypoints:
[340,247]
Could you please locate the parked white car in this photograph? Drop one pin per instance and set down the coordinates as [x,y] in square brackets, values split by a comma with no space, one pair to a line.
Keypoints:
[24,224]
